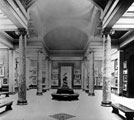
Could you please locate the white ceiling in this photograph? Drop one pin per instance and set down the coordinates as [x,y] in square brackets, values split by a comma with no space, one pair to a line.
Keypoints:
[65,24]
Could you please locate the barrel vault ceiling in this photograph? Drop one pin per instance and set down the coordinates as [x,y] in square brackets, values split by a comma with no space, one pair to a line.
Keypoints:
[66,28]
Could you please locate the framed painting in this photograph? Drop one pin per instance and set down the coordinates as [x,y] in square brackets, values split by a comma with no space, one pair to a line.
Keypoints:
[5,81]
[124,78]
[77,82]
[125,64]
[116,64]
[55,82]
[76,71]
[43,80]
[55,71]
[1,70]
[77,76]
[34,80]
[54,76]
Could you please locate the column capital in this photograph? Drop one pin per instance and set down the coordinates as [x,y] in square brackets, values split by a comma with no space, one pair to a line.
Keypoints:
[22,31]
[40,51]
[91,51]
[47,57]
[85,58]
[106,31]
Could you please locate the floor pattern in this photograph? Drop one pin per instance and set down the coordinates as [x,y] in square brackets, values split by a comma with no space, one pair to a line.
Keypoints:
[62,116]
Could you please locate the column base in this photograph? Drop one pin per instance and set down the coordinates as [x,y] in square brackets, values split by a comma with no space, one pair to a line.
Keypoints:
[22,102]
[91,94]
[39,93]
[106,104]
[86,91]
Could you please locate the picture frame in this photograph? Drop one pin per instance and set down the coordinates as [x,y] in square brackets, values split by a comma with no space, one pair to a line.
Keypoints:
[1,70]
[43,80]
[125,64]
[55,71]
[43,73]
[76,71]
[33,71]
[4,81]
[116,81]
[54,76]
[116,64]
[125,71]
[77,76]
[124,78]
[125,87]
[34,80]
[77,82]
[116,73]
[55,82]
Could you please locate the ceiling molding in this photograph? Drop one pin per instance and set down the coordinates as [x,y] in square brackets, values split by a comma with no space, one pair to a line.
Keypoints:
[110,2]
[116,12]
[27,3]
[4,39]
[66,58]
[128,38]
[14,14]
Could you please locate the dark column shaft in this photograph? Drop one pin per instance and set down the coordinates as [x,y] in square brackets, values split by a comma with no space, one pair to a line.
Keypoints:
[39,74]
[22,69]
[91,74]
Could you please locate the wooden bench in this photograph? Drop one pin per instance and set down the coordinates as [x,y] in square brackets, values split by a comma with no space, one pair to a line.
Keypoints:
[8,105]
[129,113]
[5,93]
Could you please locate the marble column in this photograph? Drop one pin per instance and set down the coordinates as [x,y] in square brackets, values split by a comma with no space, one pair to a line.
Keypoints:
[22,68]
[11,70]
[91,74]
[27,73]
[49,72]
[39,74]
[106,88]
[82,75]
[85,74]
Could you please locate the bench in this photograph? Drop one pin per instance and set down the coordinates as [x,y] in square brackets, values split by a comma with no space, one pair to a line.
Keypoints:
[8,105]
[5,93]
[129,113]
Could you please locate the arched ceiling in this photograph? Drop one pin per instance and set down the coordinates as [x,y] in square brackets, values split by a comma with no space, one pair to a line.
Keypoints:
[69,38]
[65,24]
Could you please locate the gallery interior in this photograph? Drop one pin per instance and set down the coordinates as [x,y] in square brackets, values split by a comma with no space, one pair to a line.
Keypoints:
[66,59]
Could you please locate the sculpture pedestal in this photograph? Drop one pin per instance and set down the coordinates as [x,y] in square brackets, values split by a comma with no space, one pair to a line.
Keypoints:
[65,93]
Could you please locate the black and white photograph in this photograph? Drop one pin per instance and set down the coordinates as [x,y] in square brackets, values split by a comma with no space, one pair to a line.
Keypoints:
[66,59]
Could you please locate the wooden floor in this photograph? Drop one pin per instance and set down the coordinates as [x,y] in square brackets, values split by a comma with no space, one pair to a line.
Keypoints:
[44,108]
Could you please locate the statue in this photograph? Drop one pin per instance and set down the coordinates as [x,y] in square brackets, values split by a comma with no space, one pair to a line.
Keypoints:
[65,83]
[64,92]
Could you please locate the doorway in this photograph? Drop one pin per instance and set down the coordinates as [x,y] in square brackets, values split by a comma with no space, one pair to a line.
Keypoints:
[66,70]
